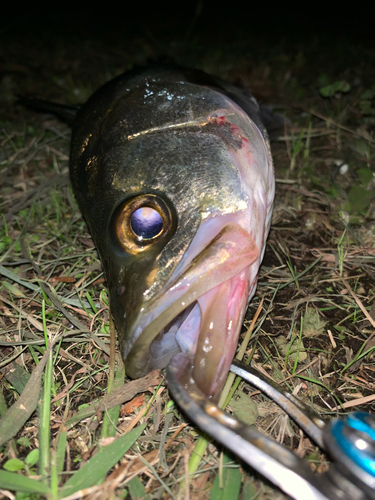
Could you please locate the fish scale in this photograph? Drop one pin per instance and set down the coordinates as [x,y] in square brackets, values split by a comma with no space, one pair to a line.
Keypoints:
[192,149]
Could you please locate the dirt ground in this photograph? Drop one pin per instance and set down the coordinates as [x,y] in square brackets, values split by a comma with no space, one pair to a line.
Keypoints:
[315,329]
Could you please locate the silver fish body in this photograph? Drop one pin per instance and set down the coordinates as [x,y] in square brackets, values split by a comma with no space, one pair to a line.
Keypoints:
[173,173]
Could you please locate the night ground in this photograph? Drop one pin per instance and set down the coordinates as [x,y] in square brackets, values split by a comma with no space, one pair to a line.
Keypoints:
[314,332]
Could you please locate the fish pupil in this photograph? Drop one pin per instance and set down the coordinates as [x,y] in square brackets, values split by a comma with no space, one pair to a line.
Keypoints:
[146,223]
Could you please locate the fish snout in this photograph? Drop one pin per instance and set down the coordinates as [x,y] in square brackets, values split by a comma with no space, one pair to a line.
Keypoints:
[199,313]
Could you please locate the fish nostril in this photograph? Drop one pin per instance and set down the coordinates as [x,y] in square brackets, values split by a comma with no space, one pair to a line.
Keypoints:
[146,223]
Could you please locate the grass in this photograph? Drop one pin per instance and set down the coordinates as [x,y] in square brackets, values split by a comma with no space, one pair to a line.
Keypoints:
[84,429]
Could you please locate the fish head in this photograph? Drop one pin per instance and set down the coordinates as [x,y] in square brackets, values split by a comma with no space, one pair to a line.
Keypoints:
[176,184]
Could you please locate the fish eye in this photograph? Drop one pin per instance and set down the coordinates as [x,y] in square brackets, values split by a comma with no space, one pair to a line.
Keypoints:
[146,222]
[143,221]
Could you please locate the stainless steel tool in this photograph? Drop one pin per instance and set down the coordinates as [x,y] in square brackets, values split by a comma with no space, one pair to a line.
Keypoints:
[349,441]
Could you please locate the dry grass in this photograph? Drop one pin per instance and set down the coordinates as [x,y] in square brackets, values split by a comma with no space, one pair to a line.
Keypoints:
[315,330]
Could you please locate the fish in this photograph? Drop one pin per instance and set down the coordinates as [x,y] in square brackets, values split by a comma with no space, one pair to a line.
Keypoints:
[173,173]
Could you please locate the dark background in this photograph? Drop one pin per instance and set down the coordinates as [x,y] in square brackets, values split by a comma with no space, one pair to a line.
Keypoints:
[65,51]
[203,17]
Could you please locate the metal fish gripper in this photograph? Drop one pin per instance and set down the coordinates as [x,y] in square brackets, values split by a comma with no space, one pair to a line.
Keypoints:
[349,441]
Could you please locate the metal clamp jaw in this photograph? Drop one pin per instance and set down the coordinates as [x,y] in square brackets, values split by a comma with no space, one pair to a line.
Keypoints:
[350,441]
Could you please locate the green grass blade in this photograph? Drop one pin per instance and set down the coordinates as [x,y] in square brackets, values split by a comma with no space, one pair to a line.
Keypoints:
[3,405]
[17,415]
[101,463]
[115,381]
[60,452]
[137,490]
[45,412]
[16,482]
[14,277]
[111,415]
[197,455]
[231,486]
[57,463]
[91,302]
[54,477]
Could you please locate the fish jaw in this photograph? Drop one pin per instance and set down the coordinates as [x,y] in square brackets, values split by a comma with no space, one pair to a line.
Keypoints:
[215,286]
[222,311]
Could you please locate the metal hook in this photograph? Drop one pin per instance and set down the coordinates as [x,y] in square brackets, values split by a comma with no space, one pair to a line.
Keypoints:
[350,442]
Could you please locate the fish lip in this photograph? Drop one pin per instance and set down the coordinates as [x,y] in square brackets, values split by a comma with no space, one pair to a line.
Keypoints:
[231,252]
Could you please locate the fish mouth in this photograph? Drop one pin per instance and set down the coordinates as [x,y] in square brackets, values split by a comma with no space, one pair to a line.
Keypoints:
[199,313]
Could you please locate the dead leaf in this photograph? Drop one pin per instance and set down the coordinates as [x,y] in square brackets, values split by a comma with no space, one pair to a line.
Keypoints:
[62,279]
[132,405]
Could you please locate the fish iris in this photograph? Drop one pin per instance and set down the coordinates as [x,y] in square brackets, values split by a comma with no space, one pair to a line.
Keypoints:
[146,223]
